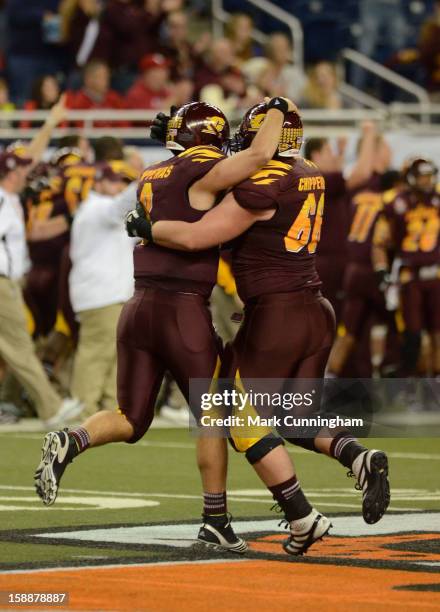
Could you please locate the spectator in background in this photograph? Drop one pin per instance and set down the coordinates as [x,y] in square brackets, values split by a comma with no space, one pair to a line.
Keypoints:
[220,62]
[177,48]
[321,90]
[95,92]
[134,27]
[183,92]
[280,77]
[239,31]
[429,48]
[45,93]
[225,83]
[152,90]
[84,31]
[31,50]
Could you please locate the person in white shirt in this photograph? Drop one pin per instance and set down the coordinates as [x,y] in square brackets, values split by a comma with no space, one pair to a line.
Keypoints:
[16,346]
[100,282]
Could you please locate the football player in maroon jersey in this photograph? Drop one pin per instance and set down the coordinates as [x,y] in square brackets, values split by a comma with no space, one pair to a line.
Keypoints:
[410,226]
[363,302]
[331,255]
[167,324]
[288,327]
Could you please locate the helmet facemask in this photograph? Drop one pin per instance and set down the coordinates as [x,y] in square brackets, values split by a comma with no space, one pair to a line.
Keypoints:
[291,138]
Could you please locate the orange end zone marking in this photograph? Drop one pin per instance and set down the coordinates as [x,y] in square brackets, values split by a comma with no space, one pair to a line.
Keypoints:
[371,547]
[232,587]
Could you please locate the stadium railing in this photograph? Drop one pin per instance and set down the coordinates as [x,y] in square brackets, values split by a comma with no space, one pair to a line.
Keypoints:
[336,122]
[366,63]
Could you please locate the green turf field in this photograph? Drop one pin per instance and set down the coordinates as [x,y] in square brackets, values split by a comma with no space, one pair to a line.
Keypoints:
[157,481]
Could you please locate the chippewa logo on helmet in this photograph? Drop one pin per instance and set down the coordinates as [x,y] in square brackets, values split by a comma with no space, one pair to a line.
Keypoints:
[291,134]
[197,123]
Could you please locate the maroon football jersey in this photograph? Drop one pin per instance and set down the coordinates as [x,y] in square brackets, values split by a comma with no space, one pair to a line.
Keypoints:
[73,183]
[163,191]
[414,221]
[335,224]
[49,205]
[278,255]
[365,206]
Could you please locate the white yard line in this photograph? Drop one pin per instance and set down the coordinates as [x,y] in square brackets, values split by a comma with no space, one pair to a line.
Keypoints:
[242,498]
[290,449]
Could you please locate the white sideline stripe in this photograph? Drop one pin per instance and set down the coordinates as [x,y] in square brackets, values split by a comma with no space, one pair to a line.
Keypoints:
[182,535]
[168,496]
[75,568]
[187,445]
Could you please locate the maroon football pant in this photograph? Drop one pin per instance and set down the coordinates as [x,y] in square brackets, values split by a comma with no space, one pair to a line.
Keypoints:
[363,299]
[420,304]
[64,304]
[331,269]
[159,331]
[285,335]
[364,306]
[41,295]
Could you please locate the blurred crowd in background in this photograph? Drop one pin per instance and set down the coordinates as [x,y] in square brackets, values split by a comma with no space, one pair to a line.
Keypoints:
[148,54]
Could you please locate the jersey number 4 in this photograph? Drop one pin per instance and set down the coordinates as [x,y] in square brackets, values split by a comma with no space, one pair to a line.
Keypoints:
[146,197]
[301,233]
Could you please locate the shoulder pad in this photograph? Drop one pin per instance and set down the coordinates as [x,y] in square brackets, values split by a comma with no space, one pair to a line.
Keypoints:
[271,172]
[202,153]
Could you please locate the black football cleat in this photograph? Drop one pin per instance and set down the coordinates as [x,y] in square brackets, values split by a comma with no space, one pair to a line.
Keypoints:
[218,534]
[370,469]
[305,532]
[56,455]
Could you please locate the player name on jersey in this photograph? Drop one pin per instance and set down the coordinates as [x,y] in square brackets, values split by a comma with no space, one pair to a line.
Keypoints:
[310,183]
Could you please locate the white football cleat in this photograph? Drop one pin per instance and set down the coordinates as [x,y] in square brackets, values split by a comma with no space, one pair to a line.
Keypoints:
[370,469]
[305,532]
[220,536]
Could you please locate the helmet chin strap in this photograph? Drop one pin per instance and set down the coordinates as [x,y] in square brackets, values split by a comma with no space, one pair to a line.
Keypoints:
[174,146]
[289,153]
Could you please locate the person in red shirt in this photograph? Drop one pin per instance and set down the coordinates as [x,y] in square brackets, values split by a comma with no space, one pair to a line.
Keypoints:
[95,92]
[152,90]
[45,93]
